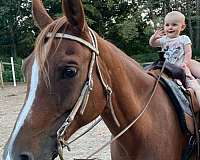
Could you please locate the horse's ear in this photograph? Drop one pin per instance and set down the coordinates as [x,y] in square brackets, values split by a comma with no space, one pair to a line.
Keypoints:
[73,10]
[40,15]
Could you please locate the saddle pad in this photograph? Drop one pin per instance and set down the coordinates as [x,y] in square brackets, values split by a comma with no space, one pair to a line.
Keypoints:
[179,100]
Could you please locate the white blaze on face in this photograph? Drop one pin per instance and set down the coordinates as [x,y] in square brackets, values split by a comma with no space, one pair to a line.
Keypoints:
[26,109]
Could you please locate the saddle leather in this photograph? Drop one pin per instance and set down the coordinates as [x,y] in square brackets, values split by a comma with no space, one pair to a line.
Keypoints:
[194,101]
[186,116]
[171,70]
[195,108]
[192,122]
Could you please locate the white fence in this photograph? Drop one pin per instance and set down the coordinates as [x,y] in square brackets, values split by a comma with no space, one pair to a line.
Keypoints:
[2,64]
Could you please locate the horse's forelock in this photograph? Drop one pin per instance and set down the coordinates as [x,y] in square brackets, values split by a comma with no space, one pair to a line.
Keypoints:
[42,47]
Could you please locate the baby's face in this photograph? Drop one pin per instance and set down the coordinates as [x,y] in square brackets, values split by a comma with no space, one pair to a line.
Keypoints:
[173,26]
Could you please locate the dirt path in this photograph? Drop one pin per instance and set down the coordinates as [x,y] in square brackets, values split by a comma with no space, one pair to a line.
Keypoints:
[11,100]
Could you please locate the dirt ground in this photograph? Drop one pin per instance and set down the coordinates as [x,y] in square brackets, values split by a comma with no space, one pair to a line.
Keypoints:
[11,100]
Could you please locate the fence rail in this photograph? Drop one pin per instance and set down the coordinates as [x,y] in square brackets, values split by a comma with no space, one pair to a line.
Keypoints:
[13,65]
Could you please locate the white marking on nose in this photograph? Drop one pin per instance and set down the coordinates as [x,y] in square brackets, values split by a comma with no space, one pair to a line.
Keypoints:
[8,156]
[26,109]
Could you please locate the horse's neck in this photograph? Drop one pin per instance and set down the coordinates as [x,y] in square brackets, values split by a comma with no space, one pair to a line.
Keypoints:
[132,89]
[130,84]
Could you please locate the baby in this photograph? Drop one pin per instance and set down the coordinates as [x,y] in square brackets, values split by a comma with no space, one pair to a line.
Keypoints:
[177,47]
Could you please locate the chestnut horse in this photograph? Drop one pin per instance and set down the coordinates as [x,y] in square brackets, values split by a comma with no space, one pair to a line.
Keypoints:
[76,75]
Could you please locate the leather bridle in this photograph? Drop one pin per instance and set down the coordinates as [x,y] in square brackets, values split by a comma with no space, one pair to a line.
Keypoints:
[81,102]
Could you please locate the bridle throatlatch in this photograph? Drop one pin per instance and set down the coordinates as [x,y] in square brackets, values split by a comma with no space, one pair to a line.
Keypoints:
[81,102]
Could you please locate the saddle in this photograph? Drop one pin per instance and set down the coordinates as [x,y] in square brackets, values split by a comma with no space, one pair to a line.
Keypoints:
[171,70]
[184,100]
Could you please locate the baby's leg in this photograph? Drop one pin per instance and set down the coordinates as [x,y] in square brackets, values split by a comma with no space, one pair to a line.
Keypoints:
[195,86]
[195,68]
[188,72]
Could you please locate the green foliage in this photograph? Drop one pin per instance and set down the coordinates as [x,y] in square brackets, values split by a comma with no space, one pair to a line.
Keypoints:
[127,30]
[127,24]
[146,57]
[196,53]
[53,7]
[17,30]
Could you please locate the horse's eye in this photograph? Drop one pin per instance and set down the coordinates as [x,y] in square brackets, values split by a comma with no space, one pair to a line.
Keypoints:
[68,72]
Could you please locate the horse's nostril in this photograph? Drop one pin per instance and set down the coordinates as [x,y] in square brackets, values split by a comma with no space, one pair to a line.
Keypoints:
[25,157]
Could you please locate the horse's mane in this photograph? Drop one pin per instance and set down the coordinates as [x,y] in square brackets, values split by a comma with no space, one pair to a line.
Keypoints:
[43,45]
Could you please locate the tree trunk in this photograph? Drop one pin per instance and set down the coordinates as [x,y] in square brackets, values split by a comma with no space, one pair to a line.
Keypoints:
[12,31]
[176,4]
[197,23]
[151,14]
[189,8]
[13,44]
[166,7]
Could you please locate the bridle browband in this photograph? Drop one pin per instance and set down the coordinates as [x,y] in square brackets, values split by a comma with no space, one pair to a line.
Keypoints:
[74,38]
[81,103]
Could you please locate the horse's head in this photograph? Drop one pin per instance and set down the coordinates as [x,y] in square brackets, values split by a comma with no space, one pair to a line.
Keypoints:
[60,74]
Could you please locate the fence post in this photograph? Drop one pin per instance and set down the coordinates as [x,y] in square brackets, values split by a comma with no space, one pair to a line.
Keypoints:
[24,79]
[13,71]
[1,74]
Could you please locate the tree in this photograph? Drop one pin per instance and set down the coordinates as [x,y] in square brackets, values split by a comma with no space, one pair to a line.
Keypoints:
[126,23]
[16,24]
[189,9]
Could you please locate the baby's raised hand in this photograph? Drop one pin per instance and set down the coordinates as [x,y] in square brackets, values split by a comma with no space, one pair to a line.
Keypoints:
[158,33]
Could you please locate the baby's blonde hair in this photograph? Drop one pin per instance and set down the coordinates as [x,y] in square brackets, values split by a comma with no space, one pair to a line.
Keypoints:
[176,15]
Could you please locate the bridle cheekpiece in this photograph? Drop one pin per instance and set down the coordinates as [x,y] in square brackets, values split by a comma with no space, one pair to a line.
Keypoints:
[81,102]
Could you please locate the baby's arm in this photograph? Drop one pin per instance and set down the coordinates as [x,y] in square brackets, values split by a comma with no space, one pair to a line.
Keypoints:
[188,54]
[154,41]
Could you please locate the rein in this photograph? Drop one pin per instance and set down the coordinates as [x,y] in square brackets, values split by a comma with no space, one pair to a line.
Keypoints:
[136,119]
[86,131]
[81,103]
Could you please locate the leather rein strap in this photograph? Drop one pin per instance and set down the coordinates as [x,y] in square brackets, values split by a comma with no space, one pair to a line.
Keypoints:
[134,120]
